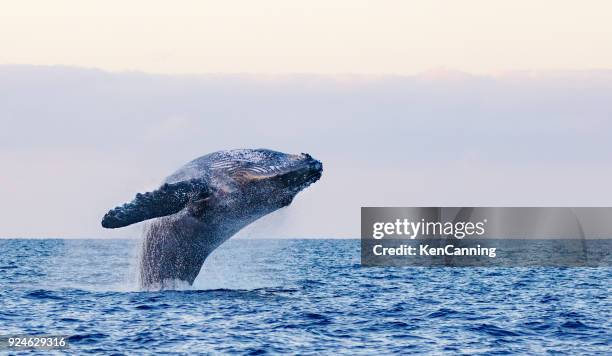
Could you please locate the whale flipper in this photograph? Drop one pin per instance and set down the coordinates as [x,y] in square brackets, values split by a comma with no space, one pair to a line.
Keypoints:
[168,199]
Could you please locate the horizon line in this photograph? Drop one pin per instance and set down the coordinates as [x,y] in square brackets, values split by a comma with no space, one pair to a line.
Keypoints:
[432,73]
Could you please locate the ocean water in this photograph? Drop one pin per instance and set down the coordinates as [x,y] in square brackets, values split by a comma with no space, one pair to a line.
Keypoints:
[298,297]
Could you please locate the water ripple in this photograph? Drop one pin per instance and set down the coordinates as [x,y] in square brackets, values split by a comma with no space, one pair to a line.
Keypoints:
[299,297]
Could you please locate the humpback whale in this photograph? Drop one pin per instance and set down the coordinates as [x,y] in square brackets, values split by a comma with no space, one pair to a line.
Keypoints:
[206,202]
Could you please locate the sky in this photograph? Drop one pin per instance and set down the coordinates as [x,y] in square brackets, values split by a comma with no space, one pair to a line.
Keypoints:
[77,142]
[316,36]
[420,103]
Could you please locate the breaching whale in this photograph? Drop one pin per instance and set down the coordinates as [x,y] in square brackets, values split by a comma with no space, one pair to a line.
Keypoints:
[206,202]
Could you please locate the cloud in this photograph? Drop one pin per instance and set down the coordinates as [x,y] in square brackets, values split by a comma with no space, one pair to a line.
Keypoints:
[76,142]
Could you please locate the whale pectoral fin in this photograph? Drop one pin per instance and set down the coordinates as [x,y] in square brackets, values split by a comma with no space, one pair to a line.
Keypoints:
[167,200]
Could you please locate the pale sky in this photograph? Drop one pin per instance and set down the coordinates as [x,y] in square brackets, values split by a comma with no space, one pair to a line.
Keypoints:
[75,143]
[80,132]
[315,36]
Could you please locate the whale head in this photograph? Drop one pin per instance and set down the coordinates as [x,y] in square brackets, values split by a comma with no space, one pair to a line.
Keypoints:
[264,178]
[248,183]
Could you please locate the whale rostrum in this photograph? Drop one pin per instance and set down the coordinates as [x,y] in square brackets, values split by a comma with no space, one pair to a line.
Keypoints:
[206,202]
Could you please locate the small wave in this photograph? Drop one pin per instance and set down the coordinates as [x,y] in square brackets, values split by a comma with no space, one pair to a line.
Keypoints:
[538,325]
[549,298]
[443,312]
[575,324]
[145,307]
[310,283]
[86,338]
[493,330]
[69,320]
[43,294]
[316,316]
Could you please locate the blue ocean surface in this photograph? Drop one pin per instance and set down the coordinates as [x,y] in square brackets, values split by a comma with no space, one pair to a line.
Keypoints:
[298,297]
